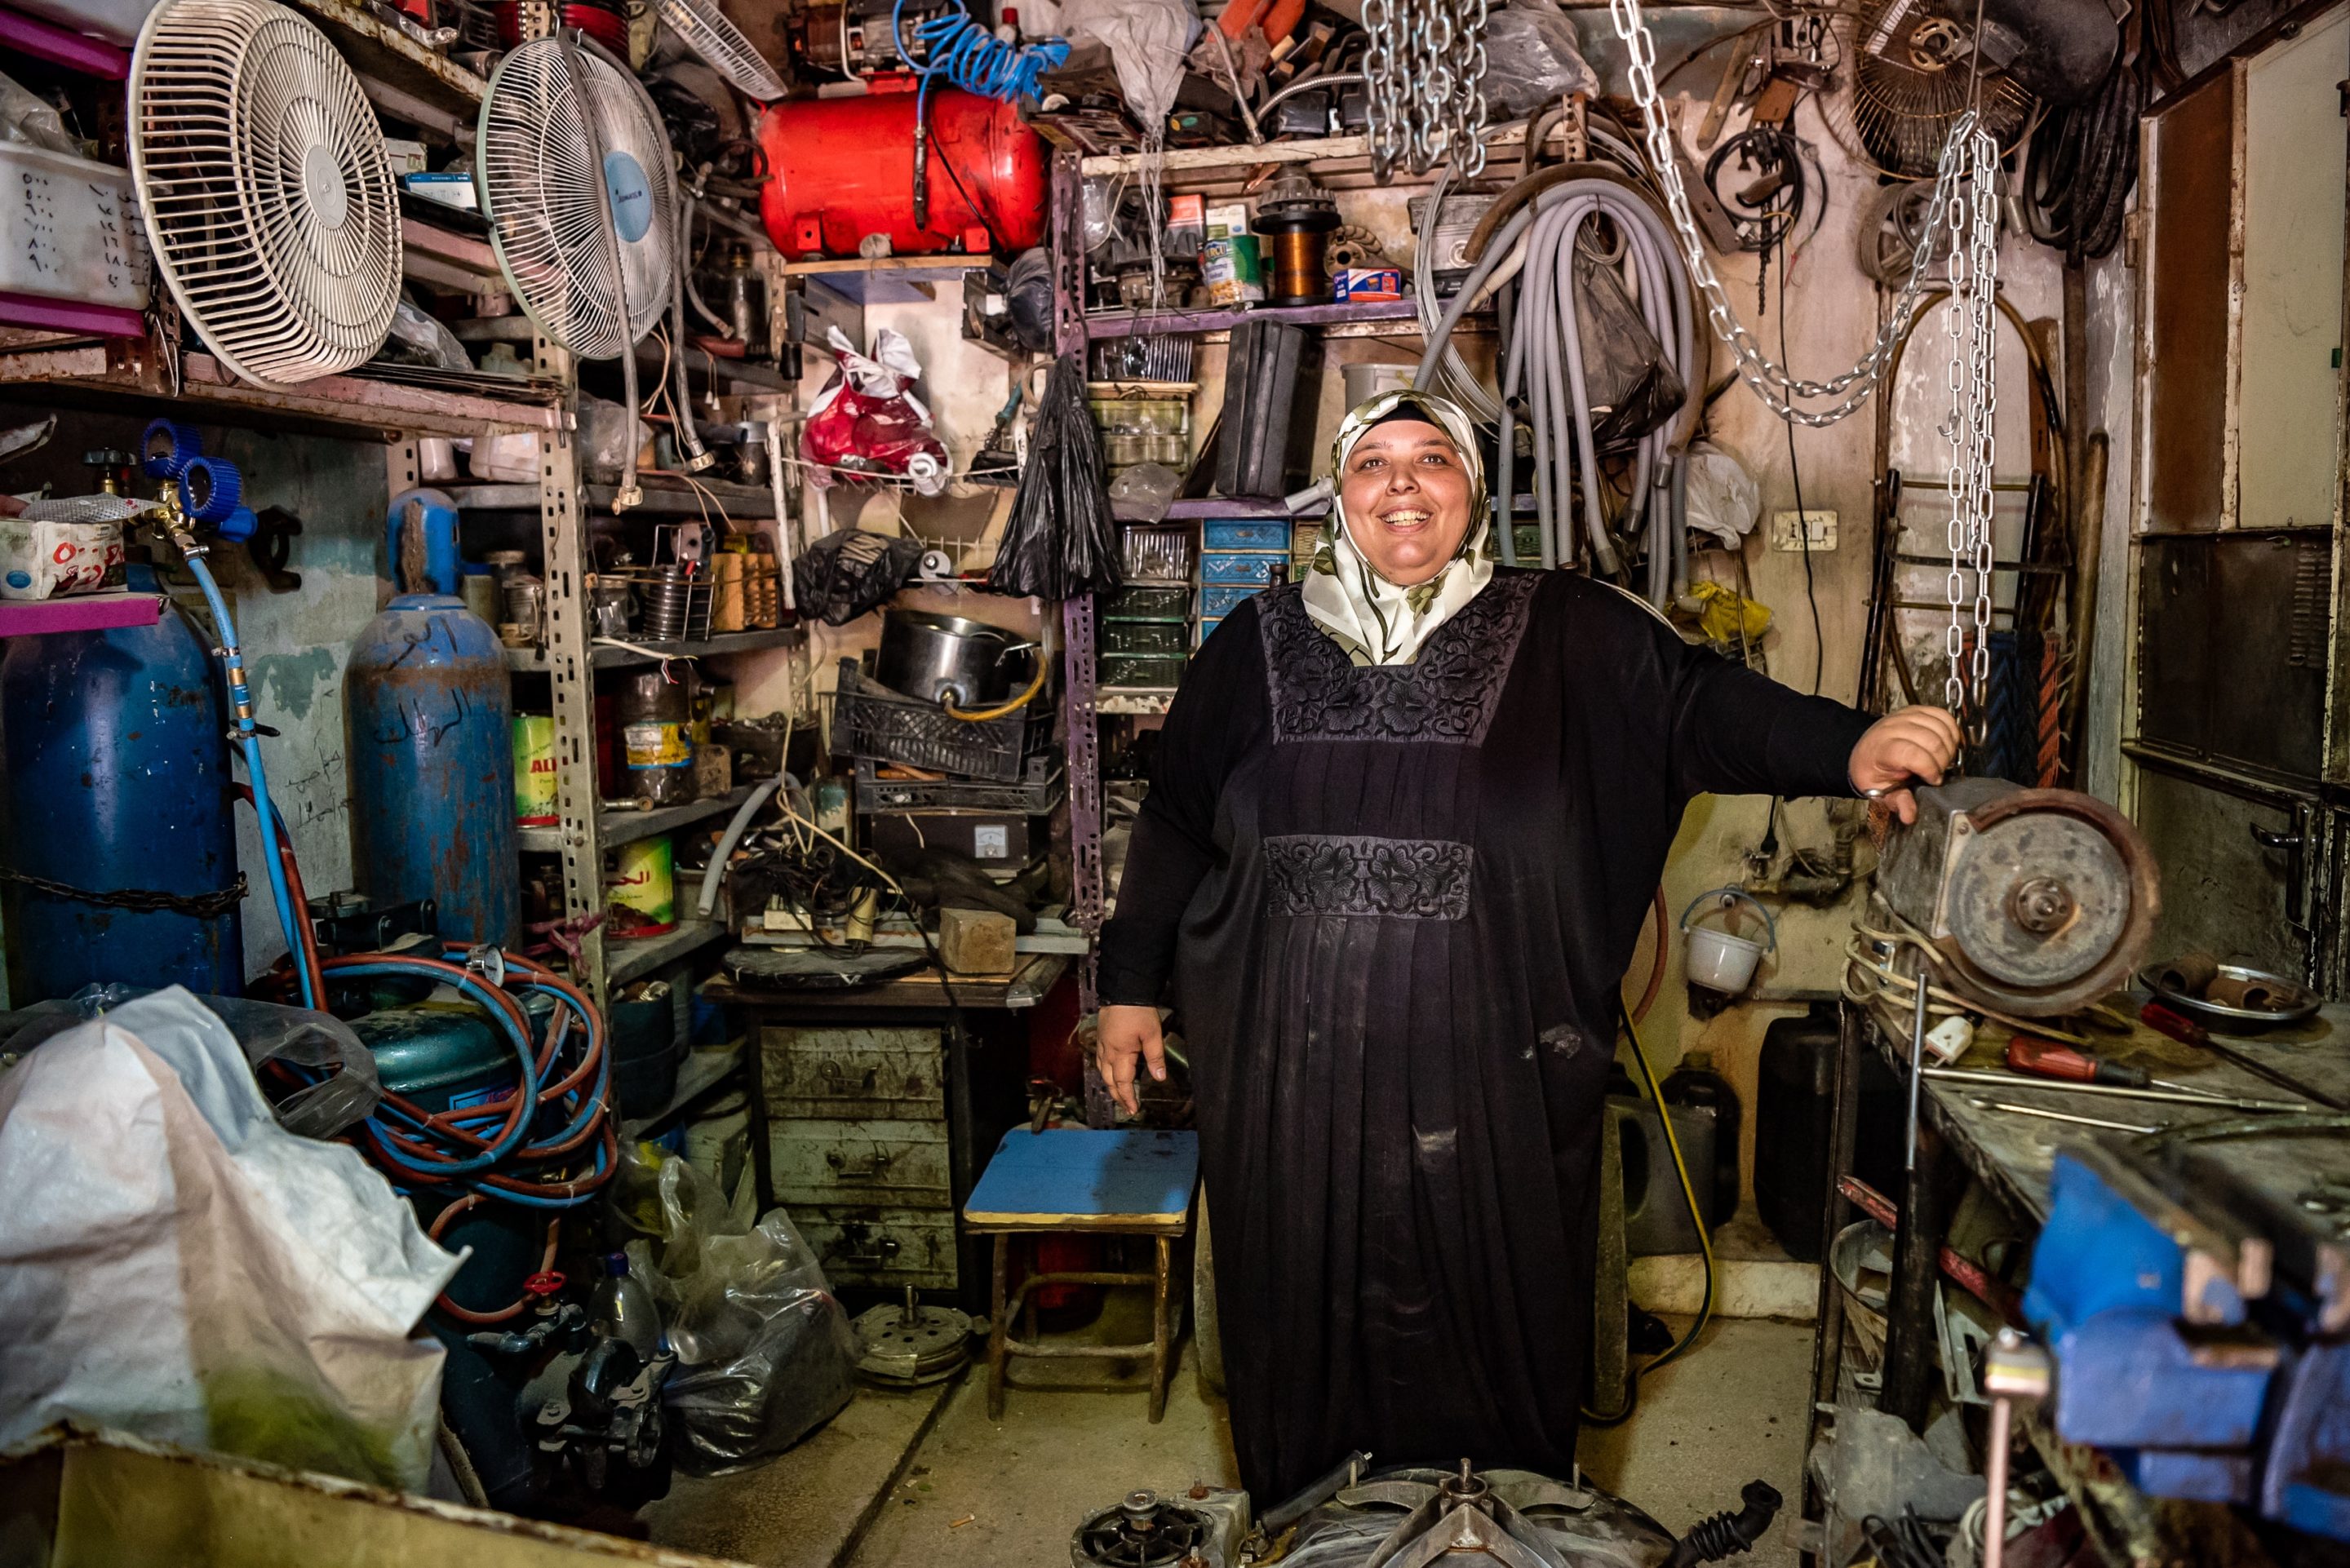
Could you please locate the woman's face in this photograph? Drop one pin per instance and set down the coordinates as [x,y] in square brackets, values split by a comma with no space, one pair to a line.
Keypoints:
[1406,493]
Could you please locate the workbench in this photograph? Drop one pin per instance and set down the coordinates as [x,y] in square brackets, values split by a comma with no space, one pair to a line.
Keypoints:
[2011,1157]
[874,1109]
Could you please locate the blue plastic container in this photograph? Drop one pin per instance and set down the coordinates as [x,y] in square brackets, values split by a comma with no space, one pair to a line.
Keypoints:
[1218,601]
[118,778]
[1245,534]
[1254,569]
[428,719]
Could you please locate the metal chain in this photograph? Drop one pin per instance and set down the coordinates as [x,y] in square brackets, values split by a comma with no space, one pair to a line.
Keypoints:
[1770,382]
[1971,322]
[144,900]
[1425,77]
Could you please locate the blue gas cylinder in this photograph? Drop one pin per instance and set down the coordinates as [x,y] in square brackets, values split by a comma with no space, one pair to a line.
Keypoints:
[118,778]
[430,723]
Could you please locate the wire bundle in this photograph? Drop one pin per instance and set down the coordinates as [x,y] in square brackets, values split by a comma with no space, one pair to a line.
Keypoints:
[2084,161]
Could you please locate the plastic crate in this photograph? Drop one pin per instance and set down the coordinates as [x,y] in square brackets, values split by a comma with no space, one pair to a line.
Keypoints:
[1145,637]
[1037,793]
[1145,601]
[1245,534]
[1141,672]
[871,721]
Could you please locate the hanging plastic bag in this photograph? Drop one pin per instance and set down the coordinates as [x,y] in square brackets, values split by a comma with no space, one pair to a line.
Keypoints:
[867,419]
[1723,500]
[1060,542]
[175,1264]
[1632,383]
[764,1352]
[850,571]
[1533,60]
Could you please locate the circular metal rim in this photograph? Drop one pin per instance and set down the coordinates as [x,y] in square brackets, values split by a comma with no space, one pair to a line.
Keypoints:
[2137,930]
[2225,1018]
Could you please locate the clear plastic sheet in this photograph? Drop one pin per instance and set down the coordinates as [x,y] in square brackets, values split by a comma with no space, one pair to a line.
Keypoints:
[765,1355]
[264,1031]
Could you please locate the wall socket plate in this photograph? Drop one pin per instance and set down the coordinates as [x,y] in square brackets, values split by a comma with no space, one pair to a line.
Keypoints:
[1819,523]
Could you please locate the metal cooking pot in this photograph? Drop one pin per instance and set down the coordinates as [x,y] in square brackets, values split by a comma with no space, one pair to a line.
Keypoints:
[946,658]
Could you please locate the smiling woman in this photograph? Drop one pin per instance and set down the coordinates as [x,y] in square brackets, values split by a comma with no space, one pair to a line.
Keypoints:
[1405,820]
[1409,537]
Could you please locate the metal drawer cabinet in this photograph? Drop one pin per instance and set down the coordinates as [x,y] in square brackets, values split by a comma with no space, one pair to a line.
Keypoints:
[831,1161]
[888,1248]
[860,1074]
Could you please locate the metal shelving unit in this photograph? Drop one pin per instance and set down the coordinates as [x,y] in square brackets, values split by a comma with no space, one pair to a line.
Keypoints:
[618,828]
[535,660]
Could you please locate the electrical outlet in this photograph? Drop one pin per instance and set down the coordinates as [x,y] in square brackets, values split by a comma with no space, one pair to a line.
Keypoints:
[1819,522]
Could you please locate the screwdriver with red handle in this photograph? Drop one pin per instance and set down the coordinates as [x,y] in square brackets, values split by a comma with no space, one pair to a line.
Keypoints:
[2047,1059]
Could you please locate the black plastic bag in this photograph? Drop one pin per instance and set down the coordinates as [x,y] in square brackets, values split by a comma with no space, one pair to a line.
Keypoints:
[1061,542]
[1633,389]
[850,571]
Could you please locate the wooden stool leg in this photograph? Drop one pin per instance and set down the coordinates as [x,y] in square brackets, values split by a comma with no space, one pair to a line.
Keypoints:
[1160,1332]
[999,1329]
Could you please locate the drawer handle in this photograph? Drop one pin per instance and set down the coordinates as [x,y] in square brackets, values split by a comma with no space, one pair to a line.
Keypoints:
[871,1170]
[872,1250]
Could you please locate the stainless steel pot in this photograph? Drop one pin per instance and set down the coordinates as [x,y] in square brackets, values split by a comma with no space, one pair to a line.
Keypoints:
[946,658]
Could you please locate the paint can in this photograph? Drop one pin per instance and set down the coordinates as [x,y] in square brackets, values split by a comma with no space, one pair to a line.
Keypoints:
[641,889]
[533,760]
[656,737]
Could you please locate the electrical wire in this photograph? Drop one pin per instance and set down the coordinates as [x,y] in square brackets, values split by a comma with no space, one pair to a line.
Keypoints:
[1803,517]
[1705,1244]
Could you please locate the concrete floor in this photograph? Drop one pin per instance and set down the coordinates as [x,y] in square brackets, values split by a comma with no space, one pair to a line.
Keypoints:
[926,1480]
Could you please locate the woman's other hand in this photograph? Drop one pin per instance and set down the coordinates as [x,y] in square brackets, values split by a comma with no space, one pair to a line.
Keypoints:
[1125,1035]
[1915,743]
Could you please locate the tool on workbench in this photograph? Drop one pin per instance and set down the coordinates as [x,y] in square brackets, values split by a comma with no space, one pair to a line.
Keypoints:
[2177,1025]
[1916,1074]
[1985,1103]
[2047,1059]
[2168,1096]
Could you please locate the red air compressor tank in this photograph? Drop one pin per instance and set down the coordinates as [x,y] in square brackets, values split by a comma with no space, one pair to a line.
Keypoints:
[844,167]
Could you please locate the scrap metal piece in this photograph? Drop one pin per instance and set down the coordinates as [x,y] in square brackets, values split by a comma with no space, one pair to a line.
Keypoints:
[908,1346]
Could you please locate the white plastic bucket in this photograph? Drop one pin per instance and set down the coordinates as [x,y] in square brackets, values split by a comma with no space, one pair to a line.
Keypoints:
[1718,959]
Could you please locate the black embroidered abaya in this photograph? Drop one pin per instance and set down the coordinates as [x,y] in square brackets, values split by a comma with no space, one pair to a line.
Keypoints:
[1393,904]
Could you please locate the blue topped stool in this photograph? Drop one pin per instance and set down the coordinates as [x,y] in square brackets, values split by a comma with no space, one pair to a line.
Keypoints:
[1136,1183]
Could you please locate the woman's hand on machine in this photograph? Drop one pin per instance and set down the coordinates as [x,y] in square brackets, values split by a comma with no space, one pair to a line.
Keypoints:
[1917,742]
[1125,1036]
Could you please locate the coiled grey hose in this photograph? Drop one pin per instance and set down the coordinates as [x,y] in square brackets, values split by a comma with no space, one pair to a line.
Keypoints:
[1543,361]
[735,828]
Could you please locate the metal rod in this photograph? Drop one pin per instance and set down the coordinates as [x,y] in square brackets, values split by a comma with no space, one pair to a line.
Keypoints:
[2168,1096]
[1985,1103]
[1995,1486]
[1917,1071]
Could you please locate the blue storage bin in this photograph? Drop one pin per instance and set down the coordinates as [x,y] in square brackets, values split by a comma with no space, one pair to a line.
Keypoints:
[1244,534]
[1254,570]
[1220,599]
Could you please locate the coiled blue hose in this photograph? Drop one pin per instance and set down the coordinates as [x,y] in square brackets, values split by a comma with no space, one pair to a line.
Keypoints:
[969,56]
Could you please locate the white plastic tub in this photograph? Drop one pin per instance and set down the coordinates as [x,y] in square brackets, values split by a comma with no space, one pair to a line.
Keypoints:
[69,229]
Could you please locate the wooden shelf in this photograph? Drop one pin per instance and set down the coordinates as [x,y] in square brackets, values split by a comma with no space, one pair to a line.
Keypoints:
[618,828]
[122,371]
[665,496]
[635,957]
[382,51]
[79,612]
[533,659]
[1143,323]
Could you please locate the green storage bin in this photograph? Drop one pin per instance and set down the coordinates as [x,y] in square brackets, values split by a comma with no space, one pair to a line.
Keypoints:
[1142,601]
[1160,637]
[1144,671]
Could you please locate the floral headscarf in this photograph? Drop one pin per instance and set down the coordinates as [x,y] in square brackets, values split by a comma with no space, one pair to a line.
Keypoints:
[1353,602]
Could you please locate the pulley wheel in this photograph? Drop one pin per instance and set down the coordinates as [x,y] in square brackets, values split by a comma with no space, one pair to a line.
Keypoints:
[2039,899]
[912,1344]
[1140,1532]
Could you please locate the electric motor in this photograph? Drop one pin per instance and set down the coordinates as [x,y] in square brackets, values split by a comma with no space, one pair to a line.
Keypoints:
[2038,901]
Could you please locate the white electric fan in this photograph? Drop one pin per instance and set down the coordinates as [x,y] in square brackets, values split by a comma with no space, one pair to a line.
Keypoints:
[264,188]
[708,33]
[575,180]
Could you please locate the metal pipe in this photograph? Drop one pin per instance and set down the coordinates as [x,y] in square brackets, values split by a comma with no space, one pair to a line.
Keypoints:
[2170,1097]
[1309,84]
[1985,1103]
[1916,1074]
